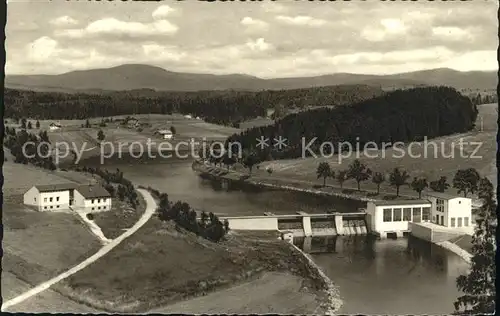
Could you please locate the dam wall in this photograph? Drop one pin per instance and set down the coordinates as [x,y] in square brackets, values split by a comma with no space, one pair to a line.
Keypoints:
[303,224]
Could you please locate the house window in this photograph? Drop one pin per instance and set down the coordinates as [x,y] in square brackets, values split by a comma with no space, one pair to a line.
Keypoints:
[407,214]
[35,199]
[439,205]
[466,221]
[417,214]
[51,207]
[45,207]
[452,224]
[426,214]
[92,201]
[104,207]
[397,215]
[434,218]
[98,207]
[57,199]
[57,206]
[98,200]
[459,222]
[50,199]
[45,199]
[93,208]
[387,215]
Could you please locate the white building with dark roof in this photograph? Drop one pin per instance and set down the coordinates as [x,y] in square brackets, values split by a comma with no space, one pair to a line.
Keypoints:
[93,198]
[51,197]
[54,126]
[66,196]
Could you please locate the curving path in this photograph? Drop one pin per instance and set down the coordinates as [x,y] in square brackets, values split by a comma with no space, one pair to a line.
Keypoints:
[150,209]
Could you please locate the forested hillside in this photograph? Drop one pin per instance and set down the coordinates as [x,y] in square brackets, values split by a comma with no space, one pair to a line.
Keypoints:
[402,115]
[221,107]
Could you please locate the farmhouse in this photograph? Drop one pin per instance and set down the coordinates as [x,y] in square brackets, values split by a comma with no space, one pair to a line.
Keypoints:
[165,133]
[92,198]
[50,197]
[54,126]
[439,210]
[66,196]
[132,122]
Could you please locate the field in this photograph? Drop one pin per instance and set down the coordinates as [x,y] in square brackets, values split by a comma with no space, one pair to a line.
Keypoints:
[19,178]
[431,166]
[38,246]
[278,293]
[120,138]
[165,265]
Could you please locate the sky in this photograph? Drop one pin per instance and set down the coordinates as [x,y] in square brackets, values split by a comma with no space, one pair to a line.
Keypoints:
[265,39]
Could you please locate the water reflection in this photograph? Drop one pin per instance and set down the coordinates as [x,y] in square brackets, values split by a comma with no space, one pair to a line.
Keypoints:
[402,276]
[383,270]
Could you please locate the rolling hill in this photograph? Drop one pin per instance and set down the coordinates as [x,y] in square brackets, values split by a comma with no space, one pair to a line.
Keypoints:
[136,76]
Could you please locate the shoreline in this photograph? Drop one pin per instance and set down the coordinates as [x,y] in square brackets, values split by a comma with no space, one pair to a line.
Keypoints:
[203,171]
[333,302]
[462,253]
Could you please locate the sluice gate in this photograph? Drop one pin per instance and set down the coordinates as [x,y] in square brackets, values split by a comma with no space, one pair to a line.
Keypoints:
[304,224]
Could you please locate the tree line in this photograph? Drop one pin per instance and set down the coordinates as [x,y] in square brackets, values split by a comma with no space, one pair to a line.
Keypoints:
[207,226]
[221,107]
[398,116]
[466,181]
[29,148]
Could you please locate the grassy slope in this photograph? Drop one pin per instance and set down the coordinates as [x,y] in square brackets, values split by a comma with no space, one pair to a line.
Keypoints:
[305,169]
[120,217]
[38,246]
[164,265]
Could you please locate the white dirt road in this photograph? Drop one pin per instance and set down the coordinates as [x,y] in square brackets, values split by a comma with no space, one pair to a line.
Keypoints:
[150,209]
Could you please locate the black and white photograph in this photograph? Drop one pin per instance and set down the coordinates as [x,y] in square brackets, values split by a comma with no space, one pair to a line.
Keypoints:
[249,157]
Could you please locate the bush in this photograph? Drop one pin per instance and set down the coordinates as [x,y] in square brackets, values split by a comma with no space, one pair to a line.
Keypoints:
[90,216]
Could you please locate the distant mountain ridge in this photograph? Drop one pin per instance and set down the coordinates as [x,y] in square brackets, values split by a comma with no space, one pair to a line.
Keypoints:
[138,76]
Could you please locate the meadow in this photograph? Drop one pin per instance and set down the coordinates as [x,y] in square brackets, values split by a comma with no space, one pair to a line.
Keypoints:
[166,265]
[431,165]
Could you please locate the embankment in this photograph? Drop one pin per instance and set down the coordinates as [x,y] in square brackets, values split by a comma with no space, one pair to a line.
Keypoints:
[462,253]
[291,185]
[332,302]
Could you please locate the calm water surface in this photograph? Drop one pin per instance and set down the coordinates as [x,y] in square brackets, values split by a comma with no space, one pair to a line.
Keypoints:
[404,276]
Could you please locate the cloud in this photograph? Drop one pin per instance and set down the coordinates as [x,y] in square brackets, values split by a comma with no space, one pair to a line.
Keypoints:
[387,28]
[64,21]
[259,45]
[162,12]
[301,20]
[450,33]
[254,25]
[155,51]
[41,49]
[272,7]
[114,27]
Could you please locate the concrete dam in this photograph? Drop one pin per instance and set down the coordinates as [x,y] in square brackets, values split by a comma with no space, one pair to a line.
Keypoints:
[304,224]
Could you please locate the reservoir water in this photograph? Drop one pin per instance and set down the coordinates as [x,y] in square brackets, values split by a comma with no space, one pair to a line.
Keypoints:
[403,276]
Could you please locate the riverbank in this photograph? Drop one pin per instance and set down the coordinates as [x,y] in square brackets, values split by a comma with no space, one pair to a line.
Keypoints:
[290,184]
[462,253]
